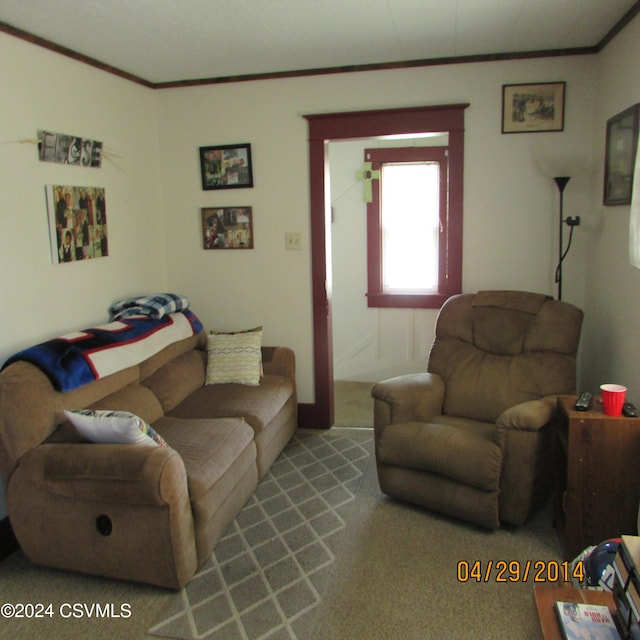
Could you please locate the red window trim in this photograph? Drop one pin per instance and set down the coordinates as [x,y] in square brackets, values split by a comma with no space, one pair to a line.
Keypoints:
[449,256]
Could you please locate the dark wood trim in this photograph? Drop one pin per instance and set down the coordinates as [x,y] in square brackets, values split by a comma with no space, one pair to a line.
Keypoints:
[381,66]
[300,73]
[309,418]
[70,53]
[8,542]
[376,297]
[348,125]
[619,26]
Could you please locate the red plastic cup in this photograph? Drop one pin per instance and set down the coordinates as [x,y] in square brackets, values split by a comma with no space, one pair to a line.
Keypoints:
[613,397]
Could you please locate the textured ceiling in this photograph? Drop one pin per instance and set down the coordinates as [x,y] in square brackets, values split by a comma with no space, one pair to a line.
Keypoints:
[164,41]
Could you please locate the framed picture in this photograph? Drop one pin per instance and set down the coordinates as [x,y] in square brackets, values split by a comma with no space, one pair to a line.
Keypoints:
[620,156]
[77,223]
[227,227]
[533,108]
[226,167]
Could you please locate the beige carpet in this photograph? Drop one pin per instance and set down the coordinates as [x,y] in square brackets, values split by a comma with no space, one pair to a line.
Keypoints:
[267,576]
[353,404]
[395,577]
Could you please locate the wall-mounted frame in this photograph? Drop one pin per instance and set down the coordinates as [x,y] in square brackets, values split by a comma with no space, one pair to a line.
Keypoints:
[227,227]
[226,167]
[533,108]
[620,156]
[77,223]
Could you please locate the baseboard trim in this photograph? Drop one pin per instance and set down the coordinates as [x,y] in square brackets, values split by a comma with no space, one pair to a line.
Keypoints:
[310,416]
[8,541]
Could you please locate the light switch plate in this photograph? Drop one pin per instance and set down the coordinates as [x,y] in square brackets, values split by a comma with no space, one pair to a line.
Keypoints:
[293,240]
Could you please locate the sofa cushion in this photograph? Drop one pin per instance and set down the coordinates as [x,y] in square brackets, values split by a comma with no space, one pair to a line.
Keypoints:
[113,427]
[177,379]
[210,451]
[258,405]
[444,449]
[234,357]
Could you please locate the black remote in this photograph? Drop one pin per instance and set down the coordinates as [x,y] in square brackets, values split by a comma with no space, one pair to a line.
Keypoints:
[584,401]
[629,410]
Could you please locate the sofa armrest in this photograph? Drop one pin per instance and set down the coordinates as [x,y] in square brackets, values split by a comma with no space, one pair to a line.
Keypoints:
[112,473]
[410,398]
[279,361]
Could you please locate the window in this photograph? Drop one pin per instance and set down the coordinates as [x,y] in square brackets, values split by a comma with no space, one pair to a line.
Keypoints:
[408,223]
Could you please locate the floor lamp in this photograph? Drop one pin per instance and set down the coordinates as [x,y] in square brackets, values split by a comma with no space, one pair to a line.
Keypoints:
[561,182]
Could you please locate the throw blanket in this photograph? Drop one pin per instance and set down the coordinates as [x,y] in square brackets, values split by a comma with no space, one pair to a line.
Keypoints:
[78,358]
[155,306]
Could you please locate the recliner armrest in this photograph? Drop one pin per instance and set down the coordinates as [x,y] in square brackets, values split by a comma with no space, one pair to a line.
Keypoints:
[530,415]
[409,398]
[129,474]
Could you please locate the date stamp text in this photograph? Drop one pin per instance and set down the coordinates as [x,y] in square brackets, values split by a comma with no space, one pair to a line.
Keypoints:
[519,571]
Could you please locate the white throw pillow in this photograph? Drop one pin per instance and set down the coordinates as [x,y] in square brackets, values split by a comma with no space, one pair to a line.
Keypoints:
[235,357]
[114,427]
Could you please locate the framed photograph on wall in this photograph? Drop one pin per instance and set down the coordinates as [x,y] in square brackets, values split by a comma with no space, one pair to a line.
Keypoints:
[533,108]
[226,167]
[620,156]
[77,223]
[227,227]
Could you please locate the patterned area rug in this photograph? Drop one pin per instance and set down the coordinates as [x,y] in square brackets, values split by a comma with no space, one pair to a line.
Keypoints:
[266,577]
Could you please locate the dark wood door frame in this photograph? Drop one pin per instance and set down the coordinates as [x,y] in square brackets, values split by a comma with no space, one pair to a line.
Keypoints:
[322,129]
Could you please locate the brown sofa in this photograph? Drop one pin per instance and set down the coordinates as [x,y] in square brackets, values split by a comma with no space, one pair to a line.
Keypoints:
[473,437]
[142,513]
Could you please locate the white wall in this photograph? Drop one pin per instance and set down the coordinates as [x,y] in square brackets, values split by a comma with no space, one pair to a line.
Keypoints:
[613,285]
[510,207]
[42,90]
[41,300]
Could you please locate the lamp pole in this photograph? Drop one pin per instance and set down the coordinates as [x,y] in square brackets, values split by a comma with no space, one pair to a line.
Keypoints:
[561,181]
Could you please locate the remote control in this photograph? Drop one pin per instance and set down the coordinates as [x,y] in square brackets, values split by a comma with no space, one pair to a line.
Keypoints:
[584,401]
[629,410]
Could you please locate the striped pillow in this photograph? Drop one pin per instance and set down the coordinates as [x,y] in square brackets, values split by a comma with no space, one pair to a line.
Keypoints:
[234,357]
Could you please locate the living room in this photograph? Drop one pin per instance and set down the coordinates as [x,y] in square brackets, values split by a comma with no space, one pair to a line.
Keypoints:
[151,175]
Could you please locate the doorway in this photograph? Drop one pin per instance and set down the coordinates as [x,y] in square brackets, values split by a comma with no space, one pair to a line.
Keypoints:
[324,128]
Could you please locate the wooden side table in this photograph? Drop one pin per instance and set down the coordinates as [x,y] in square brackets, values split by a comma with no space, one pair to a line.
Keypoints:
[597,488]
[546,596]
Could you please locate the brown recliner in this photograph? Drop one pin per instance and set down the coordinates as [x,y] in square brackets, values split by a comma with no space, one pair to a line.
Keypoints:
[473,437]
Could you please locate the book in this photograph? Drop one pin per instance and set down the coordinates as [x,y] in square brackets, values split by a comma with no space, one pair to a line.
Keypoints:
[626,588]
[631,547]
[627,585]
[579,621]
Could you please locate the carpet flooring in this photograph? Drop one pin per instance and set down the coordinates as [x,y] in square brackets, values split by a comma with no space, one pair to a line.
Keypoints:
[342,561]
[353,404]
[353,565]
[266,577]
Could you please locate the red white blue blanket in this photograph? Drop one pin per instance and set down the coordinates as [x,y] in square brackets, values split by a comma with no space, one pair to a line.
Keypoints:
[78,358]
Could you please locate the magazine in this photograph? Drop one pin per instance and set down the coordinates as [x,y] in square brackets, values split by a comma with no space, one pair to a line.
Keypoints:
[586,621]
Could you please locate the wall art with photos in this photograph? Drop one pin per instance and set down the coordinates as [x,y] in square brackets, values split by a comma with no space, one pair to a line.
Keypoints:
[77,223]
[533,108]
[226,167]
[66,149]
[620,156]
[227,228]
